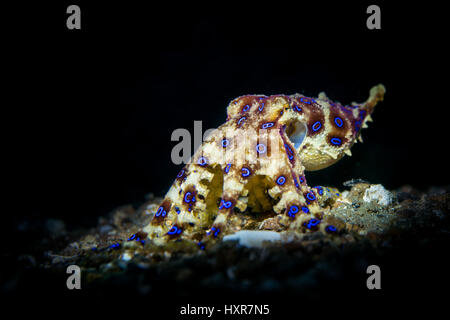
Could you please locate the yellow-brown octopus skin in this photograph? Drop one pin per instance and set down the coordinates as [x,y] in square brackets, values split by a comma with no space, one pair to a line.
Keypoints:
[255,162]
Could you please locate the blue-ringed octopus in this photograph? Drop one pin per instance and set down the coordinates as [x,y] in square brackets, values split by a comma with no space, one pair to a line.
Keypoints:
[254,164]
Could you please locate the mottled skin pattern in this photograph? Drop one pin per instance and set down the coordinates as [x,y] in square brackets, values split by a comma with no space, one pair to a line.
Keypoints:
[255,163]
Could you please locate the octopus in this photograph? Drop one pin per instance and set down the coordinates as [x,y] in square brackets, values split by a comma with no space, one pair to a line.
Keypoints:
[254,165]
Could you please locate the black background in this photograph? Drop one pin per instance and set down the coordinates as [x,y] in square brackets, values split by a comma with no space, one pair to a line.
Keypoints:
[89,125]
[94,109]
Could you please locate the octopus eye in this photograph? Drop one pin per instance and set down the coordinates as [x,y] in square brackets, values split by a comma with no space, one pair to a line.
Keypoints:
[296,132]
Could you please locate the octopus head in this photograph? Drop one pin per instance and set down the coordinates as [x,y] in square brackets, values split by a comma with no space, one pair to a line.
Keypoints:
[323,131]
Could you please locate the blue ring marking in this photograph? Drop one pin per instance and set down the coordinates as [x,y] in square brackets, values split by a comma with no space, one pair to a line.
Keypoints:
[114,245]
[258,148]
[239,121]
[260,108]
[293,209]
[159,211]
[227,168]
[132,237]
[164,213]
[313,223]
[316,126]
[225,204]
[336,141]
[185,197]
[319,189]
[177,210]
[330,228]
[281,180]
[305,100]
[288,151]
[225,143]
[245,172]
[296,183]
[310,196]
[180,174]
[301,179]
[296,107]
[338,121]
[245,108]
[267,125]
[202,161]
[305,209]
[173,230]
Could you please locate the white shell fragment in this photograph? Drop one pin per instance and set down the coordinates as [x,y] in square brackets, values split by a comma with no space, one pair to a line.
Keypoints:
[253,239]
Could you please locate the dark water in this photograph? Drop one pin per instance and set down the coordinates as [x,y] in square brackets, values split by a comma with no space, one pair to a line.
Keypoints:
[94,109]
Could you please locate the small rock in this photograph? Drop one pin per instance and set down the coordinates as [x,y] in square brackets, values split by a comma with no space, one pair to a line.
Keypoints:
[378,194]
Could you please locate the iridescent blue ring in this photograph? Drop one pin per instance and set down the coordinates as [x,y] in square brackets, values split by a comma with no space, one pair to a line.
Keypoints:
[173,230]
[313,223]
[293,209]
[336,141]
[245,172]
[319,189]
[225,204]
[338,121]
[310,196]
[245,108]
[316,126]
[267,125]
[185,197]
[180,174]
[305,209]
[281,180]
